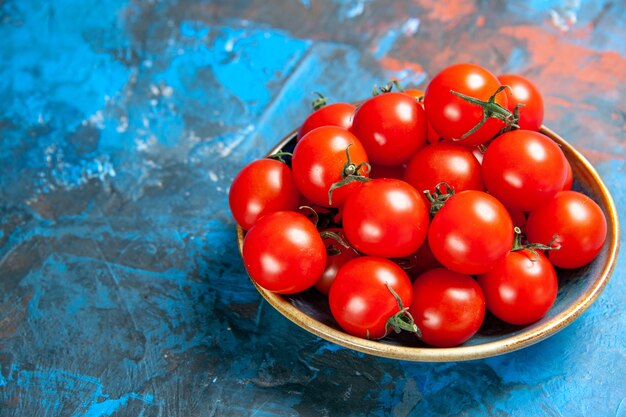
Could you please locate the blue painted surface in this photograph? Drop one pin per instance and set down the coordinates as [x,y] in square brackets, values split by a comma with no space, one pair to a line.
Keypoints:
[122,125]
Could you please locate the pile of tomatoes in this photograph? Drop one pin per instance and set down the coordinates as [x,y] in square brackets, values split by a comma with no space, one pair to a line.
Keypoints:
[420,211]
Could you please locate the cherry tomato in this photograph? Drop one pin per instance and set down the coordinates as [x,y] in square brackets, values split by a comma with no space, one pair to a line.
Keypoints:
[334,114]
[523,91]
[319,161]
[471,232]
[569,178]
[432,136]
[263,186]
[452,116]
[521,288]
[578,224]
[284,253]
[449,162]
[337,256]
[448,307]
[391,171]
[419,262]
[391,126]
[524,169]
[385,217]
[360,299]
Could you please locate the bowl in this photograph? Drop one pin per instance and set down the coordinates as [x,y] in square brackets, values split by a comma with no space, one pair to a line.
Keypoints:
[578,289]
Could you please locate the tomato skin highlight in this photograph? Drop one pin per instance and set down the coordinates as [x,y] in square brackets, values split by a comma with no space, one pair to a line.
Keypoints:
[449,162]
[284,253]
[391,126]
[523,91]
[471,232]
[521,288]
[262,187]
[578,223]
[385,217]
[524,169]
[452,116]
[448,307]
[318,162]
[360,300]
[334,114]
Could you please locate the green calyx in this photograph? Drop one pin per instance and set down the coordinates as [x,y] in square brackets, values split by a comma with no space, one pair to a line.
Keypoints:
[402,320]
[439,198]
[491,110]
[350,173]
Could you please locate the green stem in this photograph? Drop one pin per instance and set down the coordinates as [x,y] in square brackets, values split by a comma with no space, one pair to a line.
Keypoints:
[491,110]
[349,173]
[402,320]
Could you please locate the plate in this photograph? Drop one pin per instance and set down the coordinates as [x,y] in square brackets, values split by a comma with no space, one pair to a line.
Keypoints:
[578,289]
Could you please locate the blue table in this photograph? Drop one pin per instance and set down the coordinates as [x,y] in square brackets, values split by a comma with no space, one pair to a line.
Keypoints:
[122,124]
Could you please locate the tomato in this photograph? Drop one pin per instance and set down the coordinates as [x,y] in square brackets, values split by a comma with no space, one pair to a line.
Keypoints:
[523,91]
[419,262]
[391,126]
[471,232]
[449,162]
[524,169]
[284,253]
[360,299]
[263,186]
[337,256]
[334,114]
[319,161]
[447,307]
[521,288]
[384,171]
[432,136]
[452,116]
[569,178]
[385,217]
[577,221]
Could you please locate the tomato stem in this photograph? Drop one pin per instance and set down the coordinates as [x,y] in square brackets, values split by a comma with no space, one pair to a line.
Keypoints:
[349,173]
[336,237]
[387,88]
[319,102]
[279,156]
[402,320]
[520,243]
[438,200]
[491,109]
[314,217]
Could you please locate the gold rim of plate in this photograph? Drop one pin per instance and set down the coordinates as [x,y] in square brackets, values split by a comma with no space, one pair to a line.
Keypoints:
[584,172]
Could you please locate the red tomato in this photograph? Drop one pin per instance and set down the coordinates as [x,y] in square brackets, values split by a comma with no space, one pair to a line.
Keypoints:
[577,221]
[385,217]
[521,288]
[391,126]
[421,261]
[391,171]
[337,256]
[319,161]
[263,186]
[334,114]
[453,116]
[569,178]
[284,253]
[360,299]
[432,136]
[524,169]
[523,91]
[449,162]
[471,232]
[447,307]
